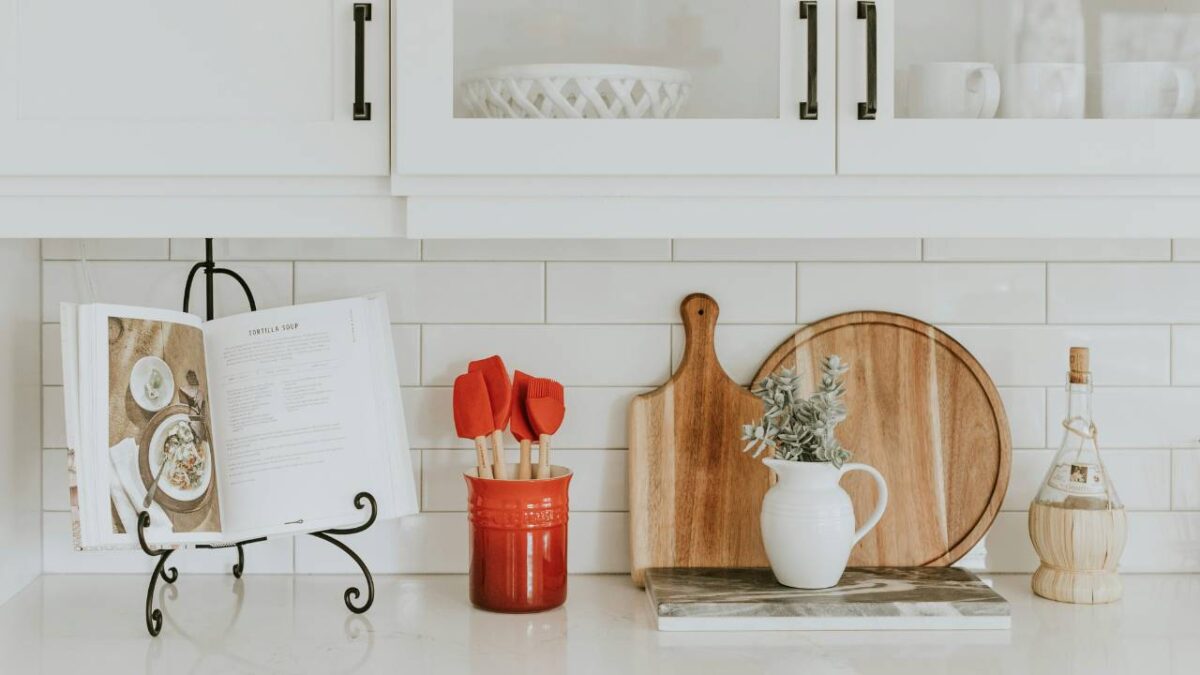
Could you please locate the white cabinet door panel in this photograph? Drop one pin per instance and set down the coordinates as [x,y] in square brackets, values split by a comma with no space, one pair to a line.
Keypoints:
[748,62]
[1042,127]
[190,87]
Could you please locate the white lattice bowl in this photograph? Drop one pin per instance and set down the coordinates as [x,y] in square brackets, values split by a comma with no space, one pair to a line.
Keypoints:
[576,91]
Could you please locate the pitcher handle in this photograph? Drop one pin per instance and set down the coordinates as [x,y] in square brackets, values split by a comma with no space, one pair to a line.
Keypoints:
[881,503]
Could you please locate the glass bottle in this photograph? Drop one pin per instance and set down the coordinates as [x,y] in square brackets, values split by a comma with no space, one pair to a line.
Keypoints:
[1077,478]
[1077,522]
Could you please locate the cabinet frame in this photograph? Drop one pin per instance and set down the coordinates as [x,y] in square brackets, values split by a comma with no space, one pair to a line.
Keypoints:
[890,146]
[430,141]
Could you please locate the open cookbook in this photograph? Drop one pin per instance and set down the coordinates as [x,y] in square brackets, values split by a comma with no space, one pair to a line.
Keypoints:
[254,425]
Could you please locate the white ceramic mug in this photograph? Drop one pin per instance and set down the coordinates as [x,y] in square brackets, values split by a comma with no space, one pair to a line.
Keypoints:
[953,89]
[1144,89]
[1043,90]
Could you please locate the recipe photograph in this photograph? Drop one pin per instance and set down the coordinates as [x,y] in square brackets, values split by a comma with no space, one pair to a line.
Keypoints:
[159,429]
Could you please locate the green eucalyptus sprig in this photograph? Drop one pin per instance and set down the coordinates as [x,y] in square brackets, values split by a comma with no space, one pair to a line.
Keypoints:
[796,428]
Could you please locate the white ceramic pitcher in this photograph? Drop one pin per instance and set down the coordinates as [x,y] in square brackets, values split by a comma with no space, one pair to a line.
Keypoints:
[808,522]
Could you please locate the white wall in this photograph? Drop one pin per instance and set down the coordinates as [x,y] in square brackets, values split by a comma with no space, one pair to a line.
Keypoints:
[20,470]
[602,317]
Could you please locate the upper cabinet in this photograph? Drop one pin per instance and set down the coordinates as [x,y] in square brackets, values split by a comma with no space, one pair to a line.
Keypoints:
[614,88]
[778,87]
[194,87]
[1018,87]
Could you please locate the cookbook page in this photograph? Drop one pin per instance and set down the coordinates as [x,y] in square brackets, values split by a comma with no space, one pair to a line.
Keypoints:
[297,417]
[142,427]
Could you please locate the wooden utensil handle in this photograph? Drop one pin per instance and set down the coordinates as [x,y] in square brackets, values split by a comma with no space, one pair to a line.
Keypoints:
[499,470]
[543,468]
[525,471]
[482,468]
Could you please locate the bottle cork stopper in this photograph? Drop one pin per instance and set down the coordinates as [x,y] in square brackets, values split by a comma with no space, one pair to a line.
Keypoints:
[1080,361]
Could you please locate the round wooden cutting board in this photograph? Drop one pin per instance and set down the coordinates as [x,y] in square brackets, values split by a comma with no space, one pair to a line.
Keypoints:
[925,414]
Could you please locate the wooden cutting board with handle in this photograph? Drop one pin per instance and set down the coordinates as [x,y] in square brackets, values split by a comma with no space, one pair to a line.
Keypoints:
[694,496]
[926,415]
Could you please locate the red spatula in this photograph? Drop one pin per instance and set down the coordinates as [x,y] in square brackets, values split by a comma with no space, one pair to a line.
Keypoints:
[519,422]
[499,393]
[473,417]
[544,403]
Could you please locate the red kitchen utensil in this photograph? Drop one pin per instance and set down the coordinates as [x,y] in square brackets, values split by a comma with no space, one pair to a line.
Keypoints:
[473,417]
[499,392]
[519,423]
[545,405]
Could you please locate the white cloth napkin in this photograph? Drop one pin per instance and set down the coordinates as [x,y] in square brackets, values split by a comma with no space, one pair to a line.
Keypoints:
[129,496]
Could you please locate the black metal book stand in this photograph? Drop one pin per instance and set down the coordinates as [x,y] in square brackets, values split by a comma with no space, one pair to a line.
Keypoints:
[170,574]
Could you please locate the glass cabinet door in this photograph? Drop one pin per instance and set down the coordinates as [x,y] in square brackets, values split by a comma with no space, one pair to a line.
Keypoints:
[1101,87]
[619,87]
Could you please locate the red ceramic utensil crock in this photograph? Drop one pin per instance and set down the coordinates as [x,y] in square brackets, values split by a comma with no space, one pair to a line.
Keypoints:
[518,531]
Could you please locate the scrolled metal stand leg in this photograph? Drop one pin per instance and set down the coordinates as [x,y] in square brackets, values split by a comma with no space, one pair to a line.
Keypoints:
[240,565]
[154,617]
[353,593]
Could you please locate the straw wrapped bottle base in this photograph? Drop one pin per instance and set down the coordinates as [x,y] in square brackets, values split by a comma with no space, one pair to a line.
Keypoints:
[1079,549]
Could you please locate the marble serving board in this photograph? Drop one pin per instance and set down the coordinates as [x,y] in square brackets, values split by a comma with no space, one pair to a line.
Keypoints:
[867,598]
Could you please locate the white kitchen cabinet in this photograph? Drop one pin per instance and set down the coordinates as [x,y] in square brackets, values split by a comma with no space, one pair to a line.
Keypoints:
[752,66]
[1066,79]
[194,88]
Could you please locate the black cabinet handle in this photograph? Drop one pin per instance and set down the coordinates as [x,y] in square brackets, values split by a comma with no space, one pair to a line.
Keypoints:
[868,108]
[808,12]
[362,14]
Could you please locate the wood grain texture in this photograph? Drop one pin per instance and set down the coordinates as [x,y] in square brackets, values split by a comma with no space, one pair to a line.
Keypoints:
[694,496]
[926,415]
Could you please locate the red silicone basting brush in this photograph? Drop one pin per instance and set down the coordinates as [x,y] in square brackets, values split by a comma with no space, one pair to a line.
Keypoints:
[473,417]
[499,393]
[519,423]
[545,405]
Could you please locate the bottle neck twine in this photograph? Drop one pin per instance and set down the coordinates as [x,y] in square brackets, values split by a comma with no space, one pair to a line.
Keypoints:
[1092,435]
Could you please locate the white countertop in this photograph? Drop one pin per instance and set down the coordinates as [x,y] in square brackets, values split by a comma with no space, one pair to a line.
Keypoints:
[93,625]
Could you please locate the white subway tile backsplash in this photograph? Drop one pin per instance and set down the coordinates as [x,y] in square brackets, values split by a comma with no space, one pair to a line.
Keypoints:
[1008,546]
[759,250]
[55,496]
[54,421]
[59,556]
[1037,355]
[1186,249]
[652,292]
[51,354]
[1142,478]
[741,349]
[392,248]
[1123,293]
[1026,412]
[1158,542]
[1135,417]
[160,284]
[437,543]
[977,293]
[433,292]
[598,484]
[595,355]
[1185,355]
[595,418]
[1185,480]
[105,249]
[624,250]
[1163,543]
[602,316]
[406,340]
[1047,249]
